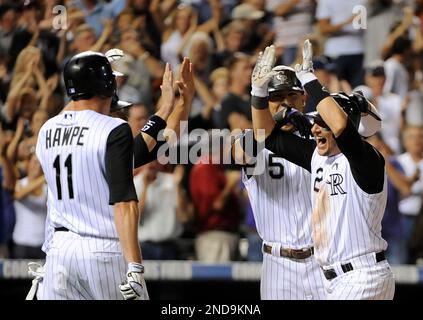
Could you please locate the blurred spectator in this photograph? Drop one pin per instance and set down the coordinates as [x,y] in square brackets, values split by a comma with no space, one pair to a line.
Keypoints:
[390,106]
[234,37]
[211,99]
[145,23]
[27,145]
[183,23]
[219,80]
[163,211]
[236,108]
[28,31]
[398,185]
[382,15]
[141,66]
[344,42]
[96,12]
[8,25]
[216,210]
[291,21]
[137,117]
[411,161]
[7,185]
[397,78]
[414,111]
[5,78]
[200,50]
[260,34]
[31,211]
[83,39]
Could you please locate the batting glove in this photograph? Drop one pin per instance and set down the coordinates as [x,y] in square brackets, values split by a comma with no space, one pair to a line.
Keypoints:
[36,271]
[304,71]
[262,72]
[114,54]
[296,118]
[134,288]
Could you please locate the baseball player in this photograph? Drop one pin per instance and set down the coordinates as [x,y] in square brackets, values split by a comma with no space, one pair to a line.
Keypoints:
[87,159]
[279,193]
[348,183]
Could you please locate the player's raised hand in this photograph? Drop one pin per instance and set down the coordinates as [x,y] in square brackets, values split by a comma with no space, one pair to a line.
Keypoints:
[262,72]
[304,71]
[186,81]
[134,288]
[167,100]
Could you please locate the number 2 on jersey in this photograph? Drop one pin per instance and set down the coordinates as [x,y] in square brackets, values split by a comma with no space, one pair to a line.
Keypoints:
[68,165]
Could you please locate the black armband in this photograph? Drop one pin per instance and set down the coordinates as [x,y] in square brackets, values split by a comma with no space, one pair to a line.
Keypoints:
[249,144]
[316,92]
[153,126]
[260,103]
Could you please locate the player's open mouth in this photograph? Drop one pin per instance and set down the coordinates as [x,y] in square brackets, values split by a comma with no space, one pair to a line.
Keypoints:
[320,141]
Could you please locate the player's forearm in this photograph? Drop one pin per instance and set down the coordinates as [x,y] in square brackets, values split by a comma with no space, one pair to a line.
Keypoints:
[263,123]
[150,134]
[180,113]
[327,107]
[126,221]
[333,115]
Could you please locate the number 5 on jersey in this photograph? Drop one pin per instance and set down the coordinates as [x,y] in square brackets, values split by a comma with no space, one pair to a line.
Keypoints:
[68,165]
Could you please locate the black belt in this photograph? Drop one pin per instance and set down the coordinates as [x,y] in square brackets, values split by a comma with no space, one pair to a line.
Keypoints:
[291,253]
[61,229]
[331,274]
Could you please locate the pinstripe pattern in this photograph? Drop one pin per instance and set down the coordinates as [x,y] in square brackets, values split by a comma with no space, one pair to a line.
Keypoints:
[88,213]
[86,262]
[82,268]
[371,283]
[281,205]
[346,224]
[288,279]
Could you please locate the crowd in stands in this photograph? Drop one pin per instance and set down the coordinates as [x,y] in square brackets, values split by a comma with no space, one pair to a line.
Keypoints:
[200,210]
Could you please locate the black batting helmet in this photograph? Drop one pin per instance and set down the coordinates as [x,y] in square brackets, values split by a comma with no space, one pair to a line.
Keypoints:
[89,74]
[284,80]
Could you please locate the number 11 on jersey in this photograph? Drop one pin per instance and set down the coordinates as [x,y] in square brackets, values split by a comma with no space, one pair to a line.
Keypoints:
[57,167]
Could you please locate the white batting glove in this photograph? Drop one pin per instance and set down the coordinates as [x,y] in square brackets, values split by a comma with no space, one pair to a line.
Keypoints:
[304,71]
[263,72]
[134,288]
[36,271]
[114,55]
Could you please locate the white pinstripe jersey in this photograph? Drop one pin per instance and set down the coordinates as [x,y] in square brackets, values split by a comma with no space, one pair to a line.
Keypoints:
[280,199]
[346,221]
[71,148]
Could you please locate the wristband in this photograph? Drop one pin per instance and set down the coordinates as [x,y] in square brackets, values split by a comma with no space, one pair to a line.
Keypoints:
[153,126]
[135,267]
[316,92]
[259,103]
